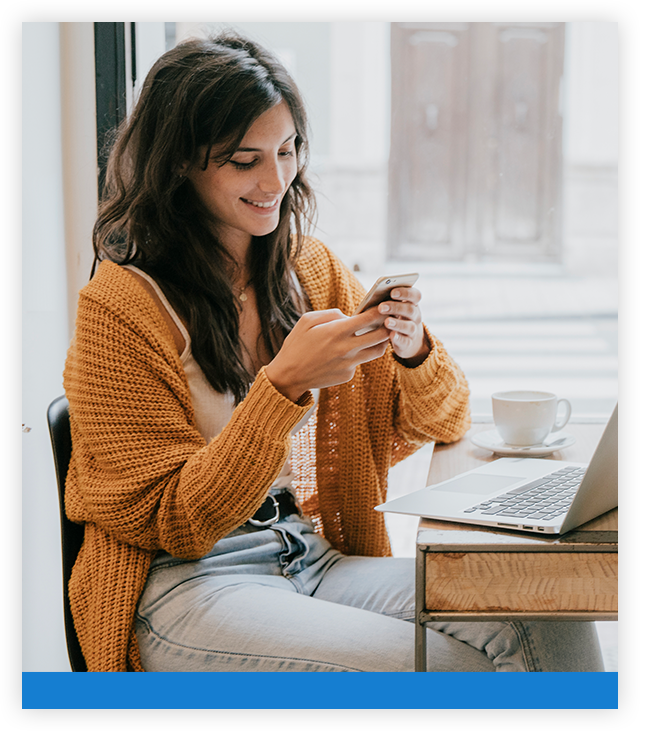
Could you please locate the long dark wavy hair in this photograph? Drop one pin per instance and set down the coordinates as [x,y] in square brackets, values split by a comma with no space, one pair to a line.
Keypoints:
[204,93]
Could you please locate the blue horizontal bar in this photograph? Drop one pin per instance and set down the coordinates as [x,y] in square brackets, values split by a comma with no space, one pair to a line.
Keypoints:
[321,690]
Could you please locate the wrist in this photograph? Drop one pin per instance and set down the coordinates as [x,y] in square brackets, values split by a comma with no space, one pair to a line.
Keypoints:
[284,385]
[421,355]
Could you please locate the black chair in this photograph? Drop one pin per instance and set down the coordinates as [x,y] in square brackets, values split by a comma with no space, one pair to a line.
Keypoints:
[72,534]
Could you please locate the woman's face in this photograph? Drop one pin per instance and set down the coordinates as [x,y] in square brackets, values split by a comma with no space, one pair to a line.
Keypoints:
[244,194]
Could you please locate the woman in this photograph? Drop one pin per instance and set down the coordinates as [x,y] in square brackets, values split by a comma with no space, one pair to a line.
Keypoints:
[229,517]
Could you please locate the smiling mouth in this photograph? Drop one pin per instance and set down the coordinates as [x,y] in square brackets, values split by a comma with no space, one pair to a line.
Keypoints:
[258,204]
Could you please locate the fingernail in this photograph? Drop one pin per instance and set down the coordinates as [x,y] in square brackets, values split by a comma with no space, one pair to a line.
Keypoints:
[384,308]
[395,293]
[390,323]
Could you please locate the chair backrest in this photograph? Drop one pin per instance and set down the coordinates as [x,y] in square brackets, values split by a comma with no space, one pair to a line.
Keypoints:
[72,534]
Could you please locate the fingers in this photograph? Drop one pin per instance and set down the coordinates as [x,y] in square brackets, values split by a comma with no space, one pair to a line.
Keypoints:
[365,322]
[406,294]
[369,354]
[403,300]
[403,321]
[403,317]
[405,328]
[377,336]
[320,317]
[347,325]
[399,309]
[358,339]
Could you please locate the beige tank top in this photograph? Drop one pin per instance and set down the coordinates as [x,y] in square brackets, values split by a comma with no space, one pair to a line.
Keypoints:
[213,410]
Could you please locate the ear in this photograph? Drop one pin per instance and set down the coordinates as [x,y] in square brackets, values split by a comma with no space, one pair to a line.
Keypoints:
[182,169]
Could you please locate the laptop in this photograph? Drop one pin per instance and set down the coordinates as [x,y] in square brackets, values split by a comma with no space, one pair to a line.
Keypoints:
[536,495]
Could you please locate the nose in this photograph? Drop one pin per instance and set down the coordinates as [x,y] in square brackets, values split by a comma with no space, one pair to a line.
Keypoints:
[271,179]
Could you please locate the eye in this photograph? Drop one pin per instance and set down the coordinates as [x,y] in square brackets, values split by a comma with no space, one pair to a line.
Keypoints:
[248,165]
[242,165]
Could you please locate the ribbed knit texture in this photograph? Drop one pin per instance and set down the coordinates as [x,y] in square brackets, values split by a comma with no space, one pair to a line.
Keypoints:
[142,478]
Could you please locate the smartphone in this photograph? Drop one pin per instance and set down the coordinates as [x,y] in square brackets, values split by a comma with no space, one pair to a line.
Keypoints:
[381,291]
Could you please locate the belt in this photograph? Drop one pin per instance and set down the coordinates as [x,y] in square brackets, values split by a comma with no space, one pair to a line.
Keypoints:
[275,508]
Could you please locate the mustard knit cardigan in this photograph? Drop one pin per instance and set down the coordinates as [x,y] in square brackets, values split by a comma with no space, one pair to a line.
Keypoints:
[142,477]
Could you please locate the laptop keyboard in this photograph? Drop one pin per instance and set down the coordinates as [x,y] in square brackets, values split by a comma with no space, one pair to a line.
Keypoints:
[543,499]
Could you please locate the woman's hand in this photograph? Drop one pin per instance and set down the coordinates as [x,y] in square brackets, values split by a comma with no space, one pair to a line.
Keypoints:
[403,321]
[323,350]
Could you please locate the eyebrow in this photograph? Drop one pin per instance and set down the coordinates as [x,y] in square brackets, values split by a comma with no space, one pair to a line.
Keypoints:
[256,149]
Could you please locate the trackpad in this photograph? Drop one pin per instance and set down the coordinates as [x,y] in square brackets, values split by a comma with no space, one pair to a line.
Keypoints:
[477,484]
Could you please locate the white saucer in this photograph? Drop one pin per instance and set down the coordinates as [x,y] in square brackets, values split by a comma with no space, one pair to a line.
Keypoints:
[492,441]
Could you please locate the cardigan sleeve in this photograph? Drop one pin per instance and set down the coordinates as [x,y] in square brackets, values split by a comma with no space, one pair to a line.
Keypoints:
[140,469]
[433,398]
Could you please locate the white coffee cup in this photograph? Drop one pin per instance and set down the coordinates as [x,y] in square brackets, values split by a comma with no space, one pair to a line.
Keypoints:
[525,418]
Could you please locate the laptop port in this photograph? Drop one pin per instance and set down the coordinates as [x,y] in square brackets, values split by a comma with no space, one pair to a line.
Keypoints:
[539,527]
[528,527]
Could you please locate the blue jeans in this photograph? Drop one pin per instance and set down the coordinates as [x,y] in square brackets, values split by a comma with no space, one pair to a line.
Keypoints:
[283,599]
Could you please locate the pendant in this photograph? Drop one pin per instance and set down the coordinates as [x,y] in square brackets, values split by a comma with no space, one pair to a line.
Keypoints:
[243,297]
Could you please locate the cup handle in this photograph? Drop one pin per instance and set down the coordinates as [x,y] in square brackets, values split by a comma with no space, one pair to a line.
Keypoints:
[568,411]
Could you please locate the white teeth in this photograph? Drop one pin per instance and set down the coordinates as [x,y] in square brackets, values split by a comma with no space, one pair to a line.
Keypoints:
[262,205]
